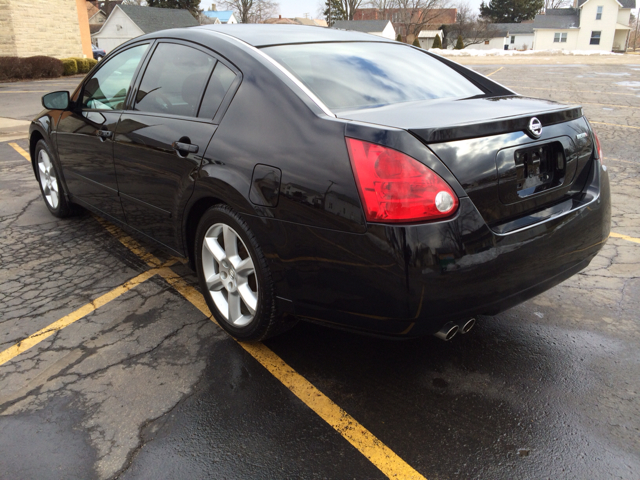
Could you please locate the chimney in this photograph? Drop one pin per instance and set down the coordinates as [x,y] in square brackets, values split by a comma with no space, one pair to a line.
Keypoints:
[279,16]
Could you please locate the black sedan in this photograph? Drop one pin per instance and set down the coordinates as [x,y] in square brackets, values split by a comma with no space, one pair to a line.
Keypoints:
[330,176]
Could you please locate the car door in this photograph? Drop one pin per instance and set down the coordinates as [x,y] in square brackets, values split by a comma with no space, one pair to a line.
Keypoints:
[84,136]
[159,143]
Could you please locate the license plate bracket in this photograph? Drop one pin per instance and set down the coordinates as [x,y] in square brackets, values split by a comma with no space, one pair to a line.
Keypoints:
[538,168]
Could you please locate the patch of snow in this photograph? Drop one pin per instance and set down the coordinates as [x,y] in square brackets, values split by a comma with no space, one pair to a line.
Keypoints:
[628,84]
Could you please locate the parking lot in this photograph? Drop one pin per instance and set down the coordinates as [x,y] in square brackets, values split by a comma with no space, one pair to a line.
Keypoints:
[110,365]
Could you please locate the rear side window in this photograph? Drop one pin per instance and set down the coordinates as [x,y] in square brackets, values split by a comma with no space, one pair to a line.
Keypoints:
[348,76]
[174,80]
[219,84]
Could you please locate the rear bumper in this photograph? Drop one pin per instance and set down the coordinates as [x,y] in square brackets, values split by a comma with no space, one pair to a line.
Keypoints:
[410,280]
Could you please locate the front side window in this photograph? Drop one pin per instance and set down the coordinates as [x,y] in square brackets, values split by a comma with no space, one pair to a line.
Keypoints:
[595,38]
[513,39]
[174,80]
[108,88]
[599,13]
[348,76]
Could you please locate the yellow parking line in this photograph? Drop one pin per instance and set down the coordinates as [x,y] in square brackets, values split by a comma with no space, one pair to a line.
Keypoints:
[67,320]
[385,459]
[131,244]
[495,71]
[615,125]
[625,237]
[20,150]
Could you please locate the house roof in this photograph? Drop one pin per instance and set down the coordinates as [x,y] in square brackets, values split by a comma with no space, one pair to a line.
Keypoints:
[624,3]
[513,28]
[562,18]
[281,21]
[362,25]
[152,19]
[91,9]
[223,15]
[313,22]
[430,34]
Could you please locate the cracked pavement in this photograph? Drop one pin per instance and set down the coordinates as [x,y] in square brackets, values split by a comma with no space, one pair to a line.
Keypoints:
[147,387]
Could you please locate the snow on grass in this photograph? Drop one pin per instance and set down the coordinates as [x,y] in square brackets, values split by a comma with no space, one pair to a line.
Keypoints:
[472,52]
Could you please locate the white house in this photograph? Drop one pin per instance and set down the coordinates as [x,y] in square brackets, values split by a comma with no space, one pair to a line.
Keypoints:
[589,25]
[224,16]
[426,37]
[381,28]
[130,21]
[507,36]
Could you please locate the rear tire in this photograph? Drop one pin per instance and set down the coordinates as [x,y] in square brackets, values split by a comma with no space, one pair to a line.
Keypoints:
[49,181]
[234,276]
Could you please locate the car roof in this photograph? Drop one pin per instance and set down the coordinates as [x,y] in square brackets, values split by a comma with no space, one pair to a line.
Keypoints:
[262,35]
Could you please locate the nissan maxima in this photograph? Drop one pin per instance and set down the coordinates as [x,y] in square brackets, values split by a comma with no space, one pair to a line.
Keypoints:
[330,176]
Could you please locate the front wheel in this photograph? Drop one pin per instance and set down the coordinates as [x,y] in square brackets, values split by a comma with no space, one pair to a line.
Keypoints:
[49,181]
[234,276]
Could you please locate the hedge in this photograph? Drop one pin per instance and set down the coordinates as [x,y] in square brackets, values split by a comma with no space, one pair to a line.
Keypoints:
[83,64]
[70,66]
[92,62]
[19,68]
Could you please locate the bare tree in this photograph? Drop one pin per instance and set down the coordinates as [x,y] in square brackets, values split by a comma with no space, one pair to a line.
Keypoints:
[470,27]
[350,6]
[634,37]
[414,15]
[252,11]
[385,7]
[556,4]
[140,3]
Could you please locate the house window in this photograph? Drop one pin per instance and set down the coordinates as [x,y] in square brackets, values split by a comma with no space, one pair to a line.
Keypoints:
[599,13]
[595,38]
[513,39]
[486,42]
[559,37]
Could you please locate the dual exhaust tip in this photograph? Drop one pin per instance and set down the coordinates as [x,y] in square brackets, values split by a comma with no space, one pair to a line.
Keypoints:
[450,329]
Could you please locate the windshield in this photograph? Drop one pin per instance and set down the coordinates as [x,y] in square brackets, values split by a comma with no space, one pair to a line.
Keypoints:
[347,76]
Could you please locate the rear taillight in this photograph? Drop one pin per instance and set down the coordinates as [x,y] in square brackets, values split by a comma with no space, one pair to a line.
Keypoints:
[397,188]
[599,148]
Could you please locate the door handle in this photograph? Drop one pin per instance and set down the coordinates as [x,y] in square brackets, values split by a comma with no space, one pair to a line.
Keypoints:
[184,147]
[104,134]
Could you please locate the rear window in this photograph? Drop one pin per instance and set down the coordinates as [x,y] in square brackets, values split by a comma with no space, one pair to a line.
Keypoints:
[347,76]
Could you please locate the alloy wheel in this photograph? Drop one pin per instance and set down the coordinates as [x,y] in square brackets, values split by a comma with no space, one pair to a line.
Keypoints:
[230,274]
[48,179]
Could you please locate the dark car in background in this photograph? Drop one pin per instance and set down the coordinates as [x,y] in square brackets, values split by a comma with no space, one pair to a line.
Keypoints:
[98,54]
[329,176]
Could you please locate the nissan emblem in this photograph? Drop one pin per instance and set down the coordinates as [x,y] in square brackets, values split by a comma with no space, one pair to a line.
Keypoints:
[535,127]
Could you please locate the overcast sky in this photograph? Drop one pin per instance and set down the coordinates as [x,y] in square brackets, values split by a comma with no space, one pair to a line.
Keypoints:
[298,8]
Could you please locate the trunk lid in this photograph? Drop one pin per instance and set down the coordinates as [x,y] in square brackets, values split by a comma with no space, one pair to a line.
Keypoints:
[509,173]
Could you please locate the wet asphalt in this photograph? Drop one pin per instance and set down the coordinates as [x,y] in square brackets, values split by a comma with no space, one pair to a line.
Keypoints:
[148,387]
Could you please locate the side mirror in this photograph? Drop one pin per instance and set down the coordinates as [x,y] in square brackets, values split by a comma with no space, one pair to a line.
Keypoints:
[56,100]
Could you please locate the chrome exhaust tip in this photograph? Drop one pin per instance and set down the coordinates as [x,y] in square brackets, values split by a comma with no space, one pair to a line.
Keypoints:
[468,325]
[448,331]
